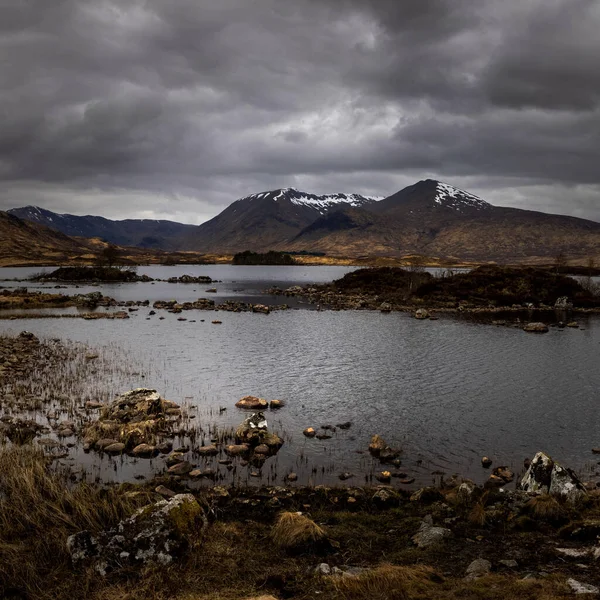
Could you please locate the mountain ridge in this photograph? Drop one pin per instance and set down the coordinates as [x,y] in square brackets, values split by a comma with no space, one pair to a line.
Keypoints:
[429,217]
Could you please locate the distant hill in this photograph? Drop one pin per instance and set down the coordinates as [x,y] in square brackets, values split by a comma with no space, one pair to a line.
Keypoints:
[143,233]
[24,242]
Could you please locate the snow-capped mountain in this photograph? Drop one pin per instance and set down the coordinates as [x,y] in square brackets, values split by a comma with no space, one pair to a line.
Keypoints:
[430,218]
[322,203]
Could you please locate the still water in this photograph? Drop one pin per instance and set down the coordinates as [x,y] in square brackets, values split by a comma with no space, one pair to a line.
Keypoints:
[447,392]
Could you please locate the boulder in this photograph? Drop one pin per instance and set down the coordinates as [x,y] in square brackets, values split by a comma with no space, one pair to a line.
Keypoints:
[210,450]
[563,303]
[181,468]
[386,497]
[377,445]
[421,313]
[174,458]
[478,568]
[144,451]
[252,403]
[237,449]
[385,307]
[310,432]
[428,534]
[548,477]
[486,462]
[157,533]
[116,448]
[536,328]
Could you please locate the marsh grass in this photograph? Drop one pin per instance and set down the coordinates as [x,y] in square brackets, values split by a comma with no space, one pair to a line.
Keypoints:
[294,531]
[39,509]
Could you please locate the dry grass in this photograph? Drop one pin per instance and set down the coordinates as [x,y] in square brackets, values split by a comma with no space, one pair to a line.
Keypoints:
[38,511]
[387,582]
[545,508]
[295,531]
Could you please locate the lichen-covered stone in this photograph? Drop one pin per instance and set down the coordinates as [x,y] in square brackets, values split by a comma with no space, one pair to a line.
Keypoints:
[547,476]
[157,533]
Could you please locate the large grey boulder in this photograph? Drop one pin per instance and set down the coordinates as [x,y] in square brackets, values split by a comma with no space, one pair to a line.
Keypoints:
[548,477]
[157,533]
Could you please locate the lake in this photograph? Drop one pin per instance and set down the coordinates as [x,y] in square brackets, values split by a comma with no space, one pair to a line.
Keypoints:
[447,392]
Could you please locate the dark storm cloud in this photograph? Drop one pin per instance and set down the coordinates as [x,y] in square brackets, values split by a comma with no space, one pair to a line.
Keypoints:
[178,108]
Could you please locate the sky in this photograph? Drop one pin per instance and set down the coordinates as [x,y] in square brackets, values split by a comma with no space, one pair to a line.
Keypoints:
[175,108]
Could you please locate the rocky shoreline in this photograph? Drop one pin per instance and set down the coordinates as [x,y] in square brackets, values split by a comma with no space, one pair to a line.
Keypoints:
[167,537]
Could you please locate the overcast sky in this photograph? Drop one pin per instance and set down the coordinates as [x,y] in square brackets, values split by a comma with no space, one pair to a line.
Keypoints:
[175,108]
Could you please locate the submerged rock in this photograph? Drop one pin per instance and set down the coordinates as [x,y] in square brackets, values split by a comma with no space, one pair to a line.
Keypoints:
[157,533]
[548,477]
[536,327]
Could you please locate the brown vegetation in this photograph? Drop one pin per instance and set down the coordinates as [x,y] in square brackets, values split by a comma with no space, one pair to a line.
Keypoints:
[294,531]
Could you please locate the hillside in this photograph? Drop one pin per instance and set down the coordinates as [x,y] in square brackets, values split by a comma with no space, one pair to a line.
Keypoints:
[142,233]
[22,242]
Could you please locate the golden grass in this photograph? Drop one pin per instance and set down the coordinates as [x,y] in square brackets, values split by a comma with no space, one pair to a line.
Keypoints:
[294,530]
[387,582]
[38,511]
[545,508]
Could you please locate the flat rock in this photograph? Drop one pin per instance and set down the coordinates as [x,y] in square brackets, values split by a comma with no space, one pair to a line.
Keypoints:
[116,448]
[237,449]
[252,403]
[144,451]
[181,468]
[582,588]
[211,450]
[428,535]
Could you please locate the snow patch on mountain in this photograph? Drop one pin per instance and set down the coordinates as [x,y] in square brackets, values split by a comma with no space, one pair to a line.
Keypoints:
[320,203]
[452,197]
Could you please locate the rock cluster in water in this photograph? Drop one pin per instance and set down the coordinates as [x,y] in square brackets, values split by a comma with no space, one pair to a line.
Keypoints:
[134,422]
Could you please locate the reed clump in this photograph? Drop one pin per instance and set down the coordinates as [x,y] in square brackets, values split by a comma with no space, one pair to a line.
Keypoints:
[39,509]
[294,531]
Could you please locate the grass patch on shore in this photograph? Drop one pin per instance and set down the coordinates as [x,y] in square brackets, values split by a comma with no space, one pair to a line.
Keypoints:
[39,509]
[237,557]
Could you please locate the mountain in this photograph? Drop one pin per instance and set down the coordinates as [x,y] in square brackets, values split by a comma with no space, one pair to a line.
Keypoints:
[268,220]
[436,219]
[143,233]
[429,218]
[24,242]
